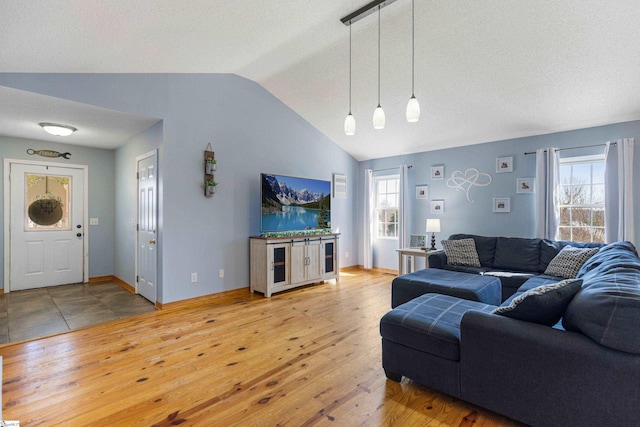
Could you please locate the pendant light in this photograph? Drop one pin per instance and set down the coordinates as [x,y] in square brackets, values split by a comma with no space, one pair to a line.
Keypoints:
[350,121]
[413,107]
[378,114]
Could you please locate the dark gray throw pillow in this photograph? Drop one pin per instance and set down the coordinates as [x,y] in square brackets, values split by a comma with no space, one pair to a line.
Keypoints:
[461,252]
[568,261]
[545,304]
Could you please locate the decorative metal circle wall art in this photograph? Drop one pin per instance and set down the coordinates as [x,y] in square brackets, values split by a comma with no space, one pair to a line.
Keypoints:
[465,180]
[47,208]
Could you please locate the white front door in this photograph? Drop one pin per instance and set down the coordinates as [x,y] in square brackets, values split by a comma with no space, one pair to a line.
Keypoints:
[147,228]
[46,226]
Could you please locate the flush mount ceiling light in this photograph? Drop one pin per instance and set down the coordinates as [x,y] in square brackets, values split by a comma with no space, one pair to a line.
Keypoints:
[58,129]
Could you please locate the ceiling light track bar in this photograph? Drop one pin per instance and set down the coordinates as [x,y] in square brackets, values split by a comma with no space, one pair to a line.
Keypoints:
[365,11]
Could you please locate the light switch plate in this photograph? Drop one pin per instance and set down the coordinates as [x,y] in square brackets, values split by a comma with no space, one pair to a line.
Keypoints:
[94,221]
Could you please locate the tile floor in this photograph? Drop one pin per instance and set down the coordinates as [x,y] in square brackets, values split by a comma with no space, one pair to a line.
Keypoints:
[47,311]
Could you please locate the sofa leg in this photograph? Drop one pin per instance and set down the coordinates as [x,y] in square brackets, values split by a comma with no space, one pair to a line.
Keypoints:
[393,376]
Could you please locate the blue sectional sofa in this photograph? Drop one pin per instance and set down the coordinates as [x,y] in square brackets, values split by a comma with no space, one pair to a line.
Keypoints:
[583,370]
[513,259]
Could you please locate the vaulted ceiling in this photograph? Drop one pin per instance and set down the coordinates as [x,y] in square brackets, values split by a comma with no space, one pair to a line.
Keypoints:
[485,70]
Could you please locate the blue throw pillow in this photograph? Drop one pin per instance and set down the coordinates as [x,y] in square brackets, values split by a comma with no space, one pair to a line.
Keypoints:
[544,305]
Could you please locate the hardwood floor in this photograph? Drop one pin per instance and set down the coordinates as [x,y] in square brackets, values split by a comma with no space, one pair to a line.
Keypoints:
[307,357]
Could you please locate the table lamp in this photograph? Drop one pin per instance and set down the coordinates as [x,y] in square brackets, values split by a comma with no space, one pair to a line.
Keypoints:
[433,227]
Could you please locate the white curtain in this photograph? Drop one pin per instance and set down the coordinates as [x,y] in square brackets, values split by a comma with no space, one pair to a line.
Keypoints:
[367,232]
[619,190]
[547,210]
[403,207]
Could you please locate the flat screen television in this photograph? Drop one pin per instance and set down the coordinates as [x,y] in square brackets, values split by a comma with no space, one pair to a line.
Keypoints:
[294,204]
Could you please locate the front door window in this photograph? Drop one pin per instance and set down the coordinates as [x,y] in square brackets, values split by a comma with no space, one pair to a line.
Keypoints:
[47,202]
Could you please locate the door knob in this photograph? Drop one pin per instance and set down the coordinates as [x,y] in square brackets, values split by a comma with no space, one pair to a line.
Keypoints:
[152,241]
[79,235]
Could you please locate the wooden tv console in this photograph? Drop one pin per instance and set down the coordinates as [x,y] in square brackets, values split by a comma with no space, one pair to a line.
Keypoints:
[281,263]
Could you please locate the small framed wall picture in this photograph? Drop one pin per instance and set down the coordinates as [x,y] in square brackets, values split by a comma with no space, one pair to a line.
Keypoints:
[437,207]
[502,204]
[437,172]
[525,185]
[504,164]
[422,191]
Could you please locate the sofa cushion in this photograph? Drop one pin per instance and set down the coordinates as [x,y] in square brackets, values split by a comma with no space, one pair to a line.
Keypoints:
[517,254]
[568,261]
[608,256]
[550,248]
[544,304]
[533,282]
[539,280]
[429,323]
[485,246]
[510,280]
[465,269]
[472,287]
[461,252]
[607,308]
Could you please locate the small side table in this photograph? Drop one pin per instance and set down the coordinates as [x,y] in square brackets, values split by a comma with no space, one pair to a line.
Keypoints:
[412,253]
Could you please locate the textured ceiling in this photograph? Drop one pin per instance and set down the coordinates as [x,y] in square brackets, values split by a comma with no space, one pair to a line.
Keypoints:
[21,112]
[485,70]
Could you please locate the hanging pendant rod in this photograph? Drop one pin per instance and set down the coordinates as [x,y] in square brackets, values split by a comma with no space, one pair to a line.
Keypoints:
[379,7]
[573,148]
[394,168]
[365,11]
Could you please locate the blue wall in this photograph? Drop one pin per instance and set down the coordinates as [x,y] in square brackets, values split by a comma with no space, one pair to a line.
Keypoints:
[126,202]
[461,216]
[251,132]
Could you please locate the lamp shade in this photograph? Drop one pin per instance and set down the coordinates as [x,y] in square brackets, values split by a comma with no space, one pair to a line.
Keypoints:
[433,225]
[378,118]
[413,110]
[350,125]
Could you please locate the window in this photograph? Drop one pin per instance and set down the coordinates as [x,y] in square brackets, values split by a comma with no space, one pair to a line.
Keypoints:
[47,202]
[387,200]
[581,199]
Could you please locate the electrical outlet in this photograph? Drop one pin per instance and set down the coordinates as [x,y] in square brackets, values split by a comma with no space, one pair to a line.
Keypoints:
[221,273]
[346,254]
[194,277]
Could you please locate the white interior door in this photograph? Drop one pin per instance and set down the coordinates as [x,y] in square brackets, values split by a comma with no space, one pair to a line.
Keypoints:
[46,226]
[147,232]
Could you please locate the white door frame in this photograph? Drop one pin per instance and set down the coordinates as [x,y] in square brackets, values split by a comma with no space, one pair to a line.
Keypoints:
[137,244]
[7,215]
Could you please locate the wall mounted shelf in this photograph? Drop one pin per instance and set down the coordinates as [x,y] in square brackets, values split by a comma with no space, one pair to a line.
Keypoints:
[209,167]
